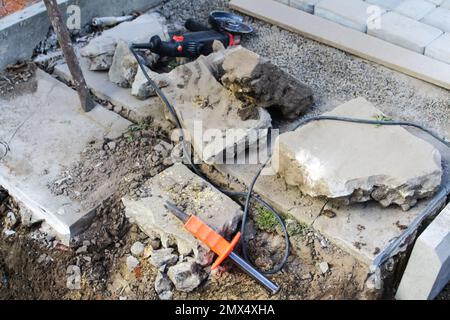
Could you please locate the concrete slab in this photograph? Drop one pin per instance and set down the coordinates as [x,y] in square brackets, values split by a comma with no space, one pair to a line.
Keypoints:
[386,4]
[415,9]
[439,18]
[351,13]
[405,32]
[190,193]
[439,49]
[428,269]
[48,132]
[446,4]
[22,31]
[124,103]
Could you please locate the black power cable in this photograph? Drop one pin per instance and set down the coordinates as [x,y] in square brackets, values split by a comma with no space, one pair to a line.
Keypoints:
[249,195]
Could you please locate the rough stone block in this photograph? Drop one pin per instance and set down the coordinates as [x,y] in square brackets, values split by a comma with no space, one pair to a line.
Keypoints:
[387,4]
[428,269]
[305,5]
[356,162]
[124,66]
[350,13]
[415,9]
[100,50]
[405,32]
[257,82]
[439,49]
[191,193]
[210,114]
[439,18]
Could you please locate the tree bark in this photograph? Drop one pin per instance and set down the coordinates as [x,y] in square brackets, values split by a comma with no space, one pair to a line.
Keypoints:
[55,16]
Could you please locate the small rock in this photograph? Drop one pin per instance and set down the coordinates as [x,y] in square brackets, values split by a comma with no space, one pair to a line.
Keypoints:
[42,258]
[324,267]
[137,248]
[163,257]
[163,286]
[112,145]
[132,263]
[141,89]
[9,233]
[124,66]
[11,220]
[82,249]
[307,276]
[186,276]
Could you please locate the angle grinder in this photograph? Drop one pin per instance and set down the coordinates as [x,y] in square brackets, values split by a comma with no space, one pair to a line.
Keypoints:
[225,27]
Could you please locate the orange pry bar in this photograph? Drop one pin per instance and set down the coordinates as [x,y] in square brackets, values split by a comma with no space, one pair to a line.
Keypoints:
[212,239]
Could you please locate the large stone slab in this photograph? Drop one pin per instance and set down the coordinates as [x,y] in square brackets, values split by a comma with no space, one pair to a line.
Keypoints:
[190,193]
[439,18]
[351,13]
[48,132]
[439,49]
[100,50]
[428,269]
[210,114]
[415,9]
[405,32]
[124,103]
[357,162]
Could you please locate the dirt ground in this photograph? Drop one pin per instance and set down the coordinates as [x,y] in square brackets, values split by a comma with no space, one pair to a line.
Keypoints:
[35,265]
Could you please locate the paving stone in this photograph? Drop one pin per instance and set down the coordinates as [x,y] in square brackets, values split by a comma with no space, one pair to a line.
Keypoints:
[428,269]
[358,163]
[436,2]
[351,13]
[405,32]
[100,50]
[191,193]
[305,5]
[439,18]
[415,9]
[52,133]
[210,114]
[439,49]
[446,4]
[387,4]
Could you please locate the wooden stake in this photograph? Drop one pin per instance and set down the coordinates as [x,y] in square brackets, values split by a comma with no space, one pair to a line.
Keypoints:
[55,16]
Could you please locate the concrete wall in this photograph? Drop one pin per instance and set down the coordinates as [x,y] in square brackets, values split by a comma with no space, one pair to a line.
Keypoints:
[22,31]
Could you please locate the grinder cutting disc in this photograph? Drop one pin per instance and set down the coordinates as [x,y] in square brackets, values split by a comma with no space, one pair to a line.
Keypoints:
[230,22]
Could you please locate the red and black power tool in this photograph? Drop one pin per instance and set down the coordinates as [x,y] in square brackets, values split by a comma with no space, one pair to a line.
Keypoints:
[226,28]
